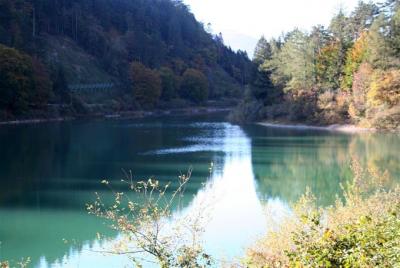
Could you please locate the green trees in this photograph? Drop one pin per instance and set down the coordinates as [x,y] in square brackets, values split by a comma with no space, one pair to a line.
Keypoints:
[162,35]
[346,73]
[297,61]
[169,82]
[379,50]
[43,84]
[16,80]
[328,67]
[262,51]
[194,86]
[146,85]
[23,81]
[60,87]
[149,86]
[361,18]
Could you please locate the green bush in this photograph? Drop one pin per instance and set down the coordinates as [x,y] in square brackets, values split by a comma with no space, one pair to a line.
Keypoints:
[169,84]
[360,230]
[366,243]
[194,86]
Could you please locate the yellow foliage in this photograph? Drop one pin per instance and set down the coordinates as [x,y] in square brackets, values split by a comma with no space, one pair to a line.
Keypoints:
[385,88]
[355,56]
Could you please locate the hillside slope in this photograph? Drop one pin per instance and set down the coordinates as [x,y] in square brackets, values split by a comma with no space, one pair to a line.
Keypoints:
[89,42]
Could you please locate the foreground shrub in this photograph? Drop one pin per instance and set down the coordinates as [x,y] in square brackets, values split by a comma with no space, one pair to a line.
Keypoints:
[362,230]
[23,263]
[148,230]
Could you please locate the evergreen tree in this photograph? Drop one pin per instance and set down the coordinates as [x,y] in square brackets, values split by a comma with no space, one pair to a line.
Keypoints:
[262,52]
[379,53]
[362,18]
[16,80]
[297,55]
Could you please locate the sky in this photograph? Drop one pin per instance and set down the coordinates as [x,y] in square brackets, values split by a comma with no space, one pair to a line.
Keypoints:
[243,22]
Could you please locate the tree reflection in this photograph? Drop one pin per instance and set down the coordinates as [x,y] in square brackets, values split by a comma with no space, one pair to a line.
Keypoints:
[285,163]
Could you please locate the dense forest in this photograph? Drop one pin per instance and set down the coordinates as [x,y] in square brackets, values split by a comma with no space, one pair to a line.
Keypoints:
[69,57]
[346,73]
[79,57]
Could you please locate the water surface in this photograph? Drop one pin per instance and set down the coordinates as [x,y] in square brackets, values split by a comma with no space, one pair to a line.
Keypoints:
[48,172]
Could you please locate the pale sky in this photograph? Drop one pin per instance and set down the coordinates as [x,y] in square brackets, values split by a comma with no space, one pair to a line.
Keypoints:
[243,22]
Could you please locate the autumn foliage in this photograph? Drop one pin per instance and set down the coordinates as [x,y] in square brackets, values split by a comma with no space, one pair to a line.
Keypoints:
[146,85]
[385,88]
[348,73]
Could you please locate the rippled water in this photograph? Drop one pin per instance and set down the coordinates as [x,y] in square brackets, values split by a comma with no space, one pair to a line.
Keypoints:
[49,171]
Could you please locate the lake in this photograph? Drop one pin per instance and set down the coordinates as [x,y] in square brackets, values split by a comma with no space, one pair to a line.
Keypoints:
[49,171]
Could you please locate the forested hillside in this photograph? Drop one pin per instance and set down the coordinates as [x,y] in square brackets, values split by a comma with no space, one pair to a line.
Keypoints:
[131,54]
[346,73]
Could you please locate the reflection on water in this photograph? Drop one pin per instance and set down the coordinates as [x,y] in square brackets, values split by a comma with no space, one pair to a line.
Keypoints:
[286,163]
[236,215]
[48,172]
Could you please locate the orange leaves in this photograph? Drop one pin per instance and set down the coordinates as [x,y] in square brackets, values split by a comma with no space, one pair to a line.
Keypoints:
[385,88]
[355,56]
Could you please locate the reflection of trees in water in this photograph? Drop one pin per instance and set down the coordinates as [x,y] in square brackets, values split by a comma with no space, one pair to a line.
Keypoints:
[286,165]
[26,158]
[43,234]
[379,156]
[316,164]
[41,164]
[379,152]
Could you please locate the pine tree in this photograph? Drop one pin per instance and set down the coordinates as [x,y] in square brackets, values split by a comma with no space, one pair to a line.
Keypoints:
[262,52]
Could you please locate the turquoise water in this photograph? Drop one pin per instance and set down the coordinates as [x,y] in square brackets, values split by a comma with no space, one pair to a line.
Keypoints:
[48,173]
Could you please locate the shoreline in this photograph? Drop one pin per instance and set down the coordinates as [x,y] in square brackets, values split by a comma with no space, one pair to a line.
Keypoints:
[120,116]
[345,128]
[35,121]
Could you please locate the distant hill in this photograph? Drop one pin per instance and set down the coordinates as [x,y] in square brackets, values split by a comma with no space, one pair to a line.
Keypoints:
[96,41]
